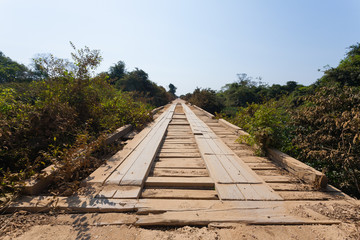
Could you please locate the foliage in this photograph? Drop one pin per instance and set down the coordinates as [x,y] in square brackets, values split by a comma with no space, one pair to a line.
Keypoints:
[118,71]
[246,91]
[11,71]
[327,133]
[267,125]
[348,71]
[138,83]
[172,89]
[205,99]
[46,117]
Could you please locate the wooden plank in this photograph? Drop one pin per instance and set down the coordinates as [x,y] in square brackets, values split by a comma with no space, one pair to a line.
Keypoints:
[180,164]
[179,182]
[254,159]
[139,170]
[179,124]
[229,126]
[175,141]
[158,172]
[277,172]
[120,192]
[102,173]
[204,217]
[179,193]
[279,179]
[216,170]
[310,195]
[262,166]
[137,164]
[179,155]
[237,175]
[301,170]
[249,192]
[107,192]
[184,160]
[241,152]
[237,169]
[157,205]
[223,164]
[179,150]
[182,137]
[127,192]
[118,133]
[291,187]
[265,192]
[179,133]
[179,146]
[229,192]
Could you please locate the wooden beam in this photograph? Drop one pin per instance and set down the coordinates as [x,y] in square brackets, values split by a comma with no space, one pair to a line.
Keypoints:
[299,169]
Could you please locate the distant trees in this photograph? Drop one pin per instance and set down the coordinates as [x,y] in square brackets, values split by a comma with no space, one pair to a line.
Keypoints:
[172,89]
[138,83]
[11,71]
[347,73]
[117,71]
[206,99]
[246,91]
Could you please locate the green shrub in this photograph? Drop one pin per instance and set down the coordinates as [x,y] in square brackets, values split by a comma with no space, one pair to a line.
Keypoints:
[46,119]
[327,132]
[267,125]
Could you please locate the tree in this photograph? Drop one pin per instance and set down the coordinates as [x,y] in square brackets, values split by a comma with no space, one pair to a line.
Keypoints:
[11,71]
[348,71]
[206,99]
[118,71]
[142,88]
[172,89]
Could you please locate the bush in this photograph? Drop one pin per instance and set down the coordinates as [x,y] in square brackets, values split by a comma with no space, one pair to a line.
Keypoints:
[54,112]
[205,99]
[327,132]
[267,125]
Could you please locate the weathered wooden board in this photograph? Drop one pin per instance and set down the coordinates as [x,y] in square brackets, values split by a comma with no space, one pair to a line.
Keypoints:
[291,187]
[254,159]
[120,192]
[225,167]
[137,165]
[174,141]
[126,192]
[301,170]
[161,172]
[258,192]
[279,179]
[216,170]
[180,164]
[203,218]
[179,150]
[310,195]
[229,192]
[179,146]
[165,193]
[179,182]
[262,166]
[179,155]
[269,172]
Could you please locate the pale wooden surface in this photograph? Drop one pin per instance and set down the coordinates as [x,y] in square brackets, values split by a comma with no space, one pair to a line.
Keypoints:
[226,168]
[198,174]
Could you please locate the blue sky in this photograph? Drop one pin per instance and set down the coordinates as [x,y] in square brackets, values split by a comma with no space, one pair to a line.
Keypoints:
[190,43]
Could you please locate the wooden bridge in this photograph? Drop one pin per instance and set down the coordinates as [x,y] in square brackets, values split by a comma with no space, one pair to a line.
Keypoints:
[186,169]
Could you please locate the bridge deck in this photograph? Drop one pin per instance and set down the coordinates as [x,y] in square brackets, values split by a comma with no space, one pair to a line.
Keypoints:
[187,168]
